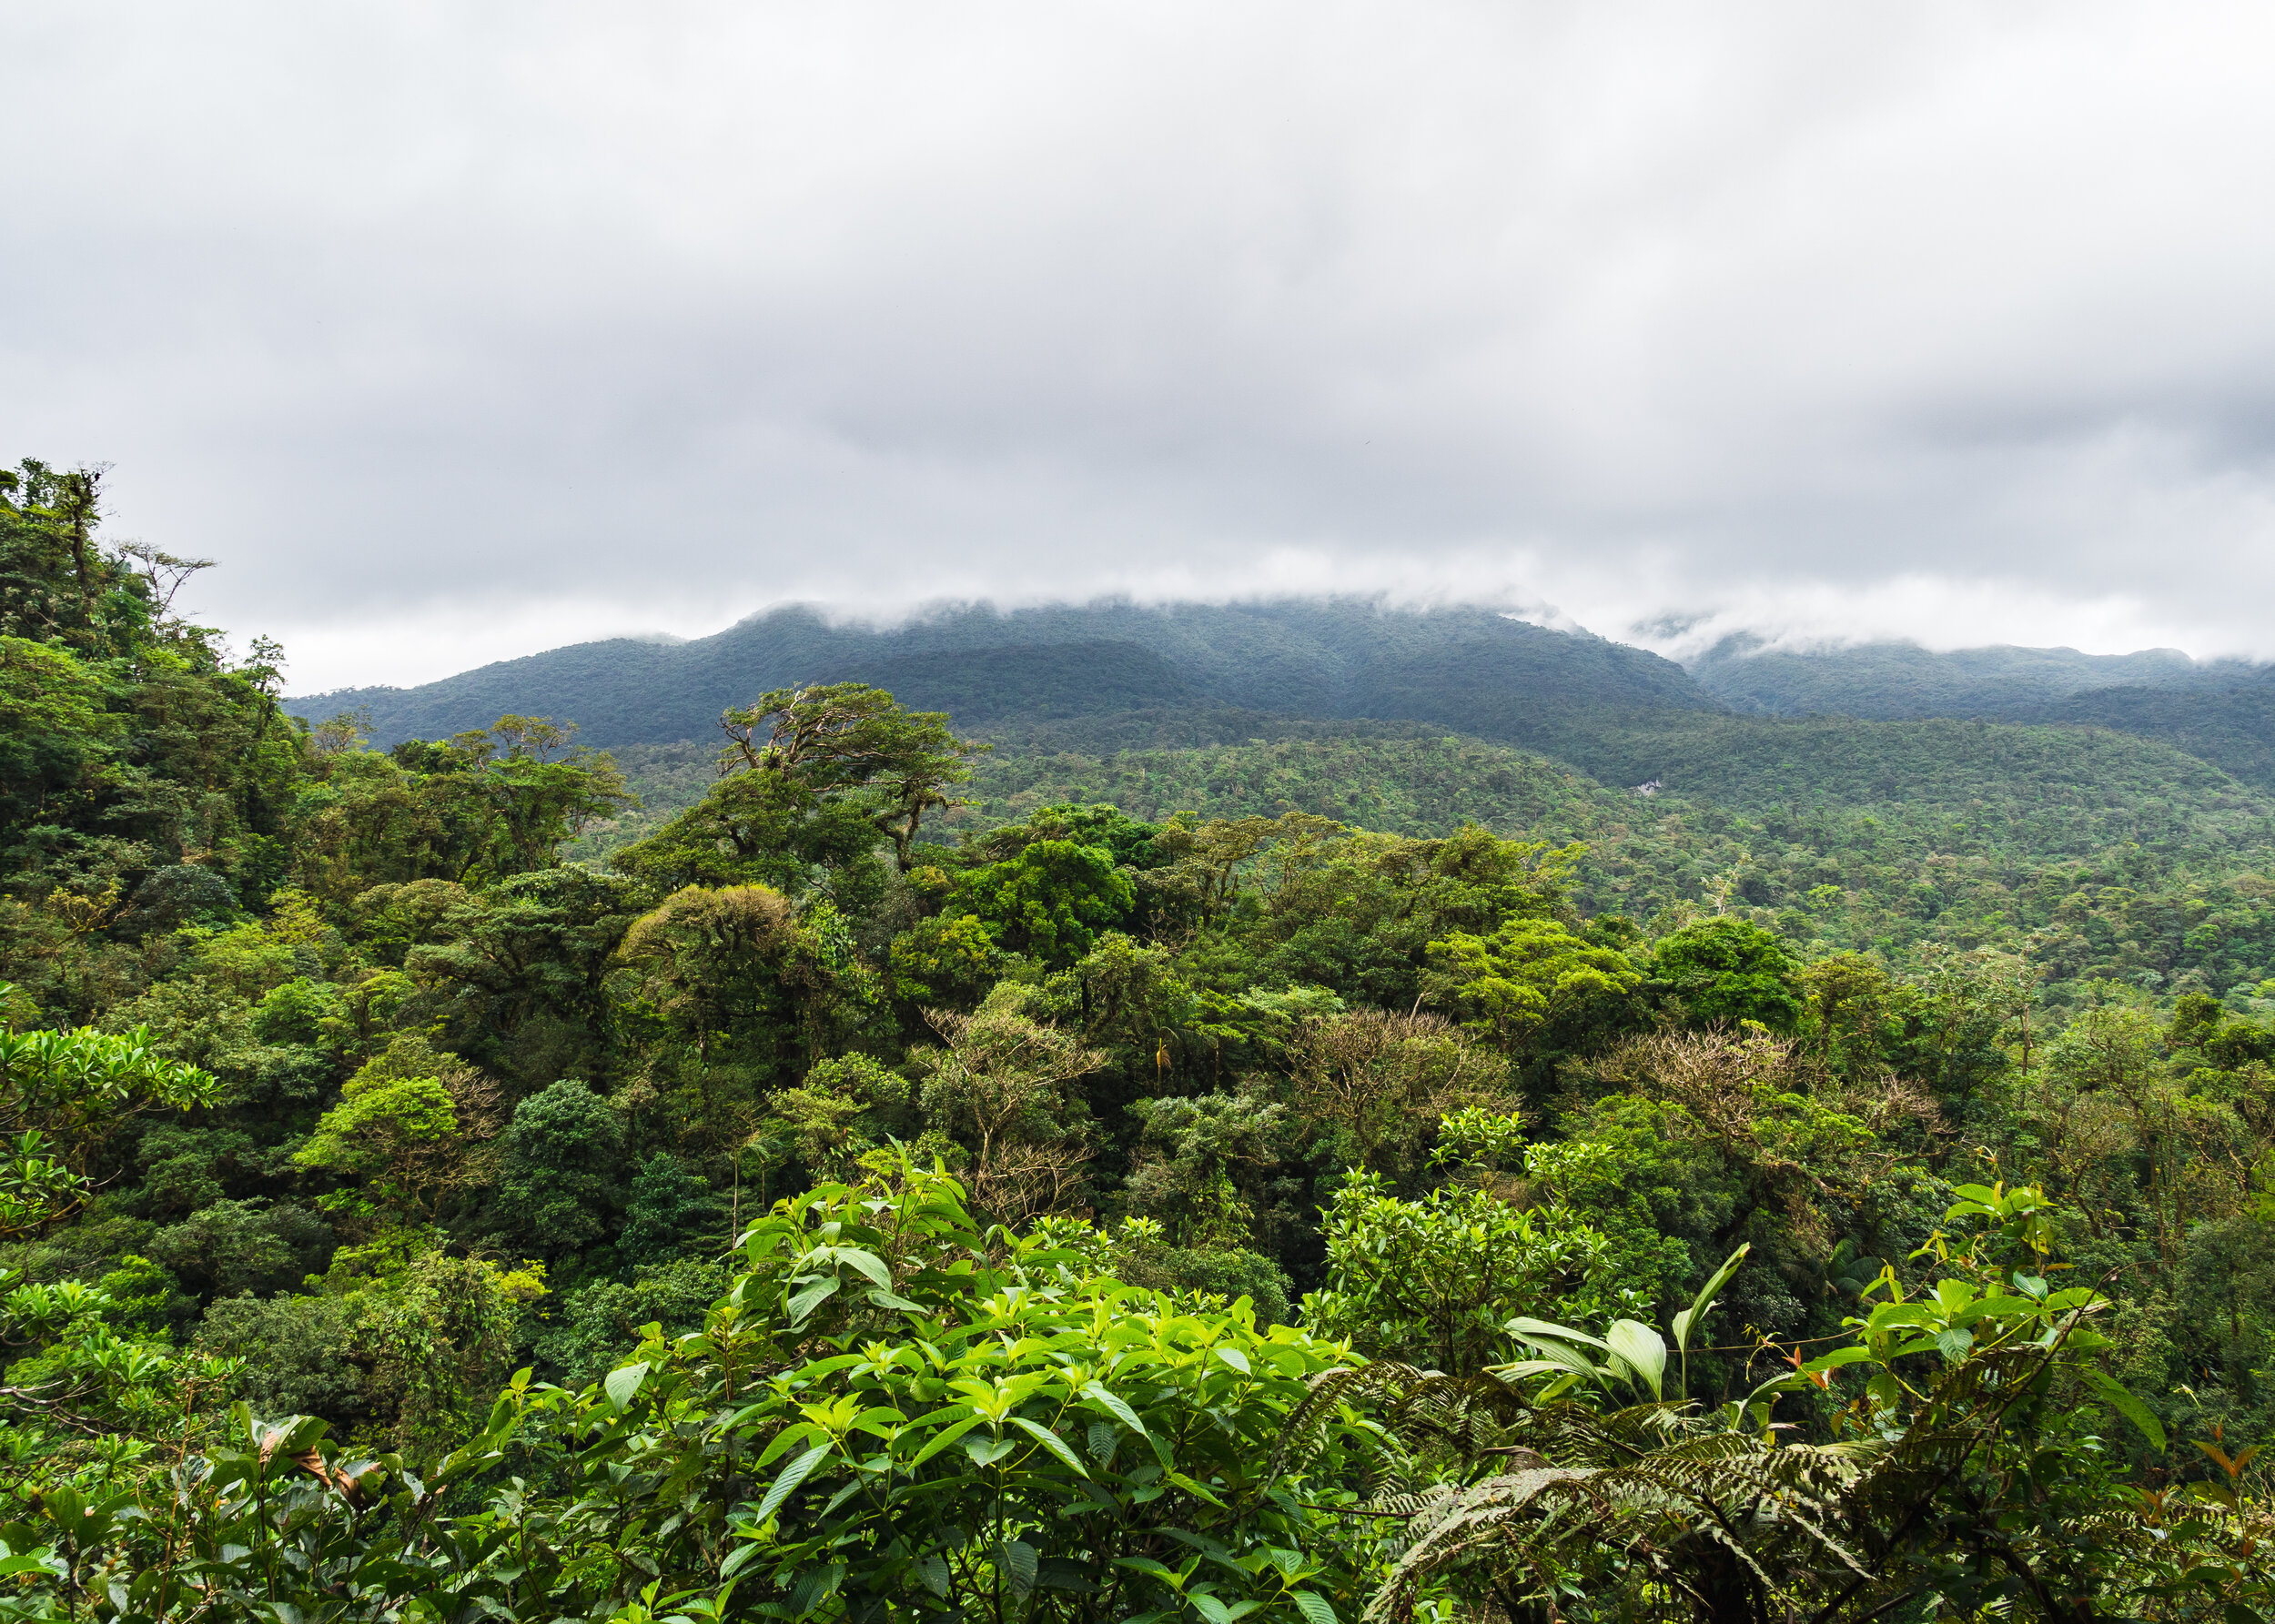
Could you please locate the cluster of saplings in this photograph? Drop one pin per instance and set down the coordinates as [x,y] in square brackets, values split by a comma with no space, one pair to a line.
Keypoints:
[805,1218]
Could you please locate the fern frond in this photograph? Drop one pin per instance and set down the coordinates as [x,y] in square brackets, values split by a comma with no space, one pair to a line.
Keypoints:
[1304,1434]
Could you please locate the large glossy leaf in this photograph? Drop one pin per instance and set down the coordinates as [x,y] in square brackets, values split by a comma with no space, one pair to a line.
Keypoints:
[1050,1440]
[796,1473]
[2114,1393]
[1687,1320]
[811,1299]
[621,1384]
[1530,1329]
[1642,1350]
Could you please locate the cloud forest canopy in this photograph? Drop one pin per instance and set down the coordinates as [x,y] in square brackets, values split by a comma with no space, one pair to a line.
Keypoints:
[1181,1164]
[1617,712]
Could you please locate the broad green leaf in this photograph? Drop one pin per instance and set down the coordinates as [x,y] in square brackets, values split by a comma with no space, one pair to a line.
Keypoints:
[881,1420]
[1643,1351]
[796,1473]
[1197,1490]
[1681,1325]
[1169,1576]
[811,1299]
[1235,1358]
[1050,1440]
[787,1440]
[1528,1329]
[1289,1562]
[1835,1359]
[869,1263]
[815,1585]
[1315,1608]
[1690,1317]
[987,1451]
[1110,1403]
[622,1383]
[1555,1355]
[942,1439]
[1018,1561]
[2114,1393]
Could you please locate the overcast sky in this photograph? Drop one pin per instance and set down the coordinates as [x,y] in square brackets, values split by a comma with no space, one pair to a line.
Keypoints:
[459,331]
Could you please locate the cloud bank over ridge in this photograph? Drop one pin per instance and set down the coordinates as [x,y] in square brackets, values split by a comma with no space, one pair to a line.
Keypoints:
[461,333]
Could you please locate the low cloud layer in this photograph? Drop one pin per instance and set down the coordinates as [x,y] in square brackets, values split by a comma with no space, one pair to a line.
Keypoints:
[457,332]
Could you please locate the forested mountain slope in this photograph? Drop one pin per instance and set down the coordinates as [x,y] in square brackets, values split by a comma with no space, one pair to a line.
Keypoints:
[2221,711]
[1465,667]
[1196,673]
[1839,1186]
[1897,681]
[1905,839]
[2232,727]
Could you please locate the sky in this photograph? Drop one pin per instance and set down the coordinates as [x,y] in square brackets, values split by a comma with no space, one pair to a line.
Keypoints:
[456,332]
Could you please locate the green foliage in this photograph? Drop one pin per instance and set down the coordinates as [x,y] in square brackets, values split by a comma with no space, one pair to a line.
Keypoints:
[233,1247]
[1434,1281]
[561,1170]
[1726,970]
[62,1095]
[1049,902]
[484,805]
[1246,663]
[815,776]
[602,1324]
[843,1109]
[667,1208]
[326,1067]
[1533,974]
[948,959]
[1001,1087]
[1903,680]
[397,1134]
[1967,1470]
[1049,1436]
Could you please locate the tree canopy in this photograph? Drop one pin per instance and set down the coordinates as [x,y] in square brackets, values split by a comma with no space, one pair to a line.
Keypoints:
[875,1181]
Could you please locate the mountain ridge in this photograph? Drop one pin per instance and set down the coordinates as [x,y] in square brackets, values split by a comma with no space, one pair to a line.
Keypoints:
[1333,658]
[1202,672]
[1896,681]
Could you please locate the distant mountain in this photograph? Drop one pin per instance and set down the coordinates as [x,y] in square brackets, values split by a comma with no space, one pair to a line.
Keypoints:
[1033,682]
[1903,682]
[2231,726]
[1114,676]
[1467,670]
[2220,712]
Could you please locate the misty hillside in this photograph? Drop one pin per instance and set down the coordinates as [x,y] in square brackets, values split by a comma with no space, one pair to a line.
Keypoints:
[1118,676]
[1470,669]
[1903,682]
[2219,711]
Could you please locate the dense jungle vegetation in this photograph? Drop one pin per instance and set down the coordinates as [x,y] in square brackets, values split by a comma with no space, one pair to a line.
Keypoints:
[1333,1174]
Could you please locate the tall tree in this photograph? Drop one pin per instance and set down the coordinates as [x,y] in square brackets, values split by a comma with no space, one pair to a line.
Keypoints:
[848,737]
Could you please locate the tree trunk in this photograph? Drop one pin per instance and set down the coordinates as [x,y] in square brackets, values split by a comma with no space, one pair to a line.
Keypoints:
[1726,1593]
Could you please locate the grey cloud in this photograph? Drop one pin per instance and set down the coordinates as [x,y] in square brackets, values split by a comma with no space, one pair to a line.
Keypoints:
[461,331]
